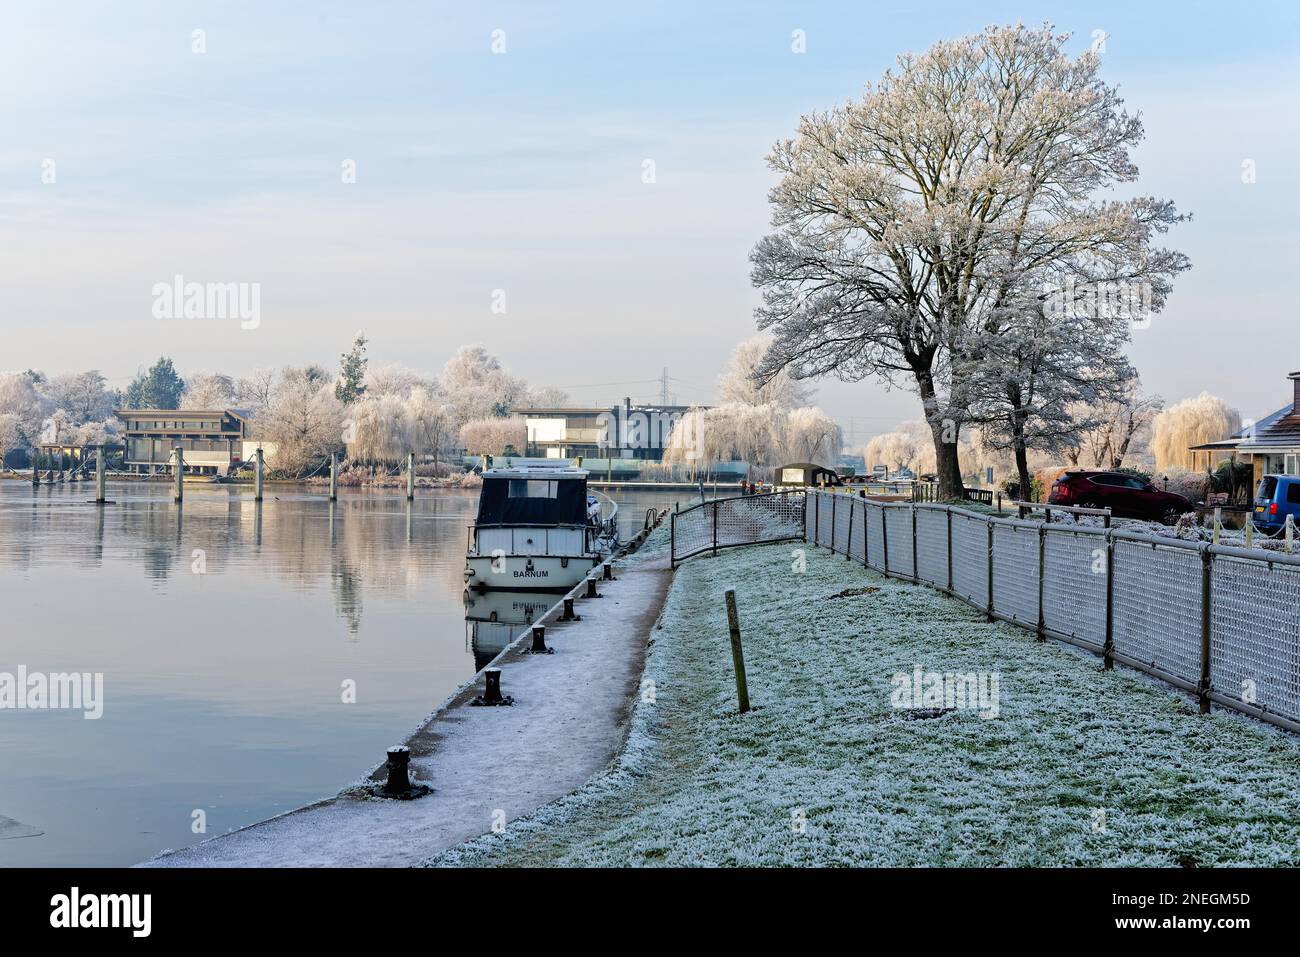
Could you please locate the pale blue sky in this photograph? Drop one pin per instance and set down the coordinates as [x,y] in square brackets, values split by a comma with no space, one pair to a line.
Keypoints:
[522,172]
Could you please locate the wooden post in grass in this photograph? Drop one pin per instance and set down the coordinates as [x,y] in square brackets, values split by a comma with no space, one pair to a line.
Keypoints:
[737,655]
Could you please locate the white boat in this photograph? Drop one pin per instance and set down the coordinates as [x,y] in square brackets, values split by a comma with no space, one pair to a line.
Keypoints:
[538,529]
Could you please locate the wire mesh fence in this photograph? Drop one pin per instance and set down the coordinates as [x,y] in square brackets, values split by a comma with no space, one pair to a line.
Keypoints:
[1219,621]
[743,520]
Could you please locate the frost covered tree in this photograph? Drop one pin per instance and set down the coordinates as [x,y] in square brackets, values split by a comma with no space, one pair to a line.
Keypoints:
[477,387]
[907,447]
[10,434]
[742,382]
[912,221]
[253,392]
[494,435]
[21,398]
[812,436]
[1194,421]
[304,420]
[85,396]
[1113,430]
[428,421]
[208,390]
[378,432]
[548,397]
[394,379]
[1038,367]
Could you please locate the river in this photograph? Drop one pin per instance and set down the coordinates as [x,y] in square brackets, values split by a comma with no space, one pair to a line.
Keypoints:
[228,637]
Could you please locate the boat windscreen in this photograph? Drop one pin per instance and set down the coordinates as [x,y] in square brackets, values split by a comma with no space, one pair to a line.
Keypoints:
[517,501]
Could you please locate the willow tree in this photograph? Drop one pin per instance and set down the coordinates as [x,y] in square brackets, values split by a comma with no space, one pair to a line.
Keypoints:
[907,222]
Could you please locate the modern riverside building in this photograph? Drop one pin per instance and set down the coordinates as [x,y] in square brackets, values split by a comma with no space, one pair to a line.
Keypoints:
[624,431]
[211,440]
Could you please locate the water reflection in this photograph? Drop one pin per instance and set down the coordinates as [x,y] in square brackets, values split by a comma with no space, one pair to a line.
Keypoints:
[493,619]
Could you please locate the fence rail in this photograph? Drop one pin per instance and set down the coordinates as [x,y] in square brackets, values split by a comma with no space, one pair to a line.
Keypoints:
[738,520]
[1220,622]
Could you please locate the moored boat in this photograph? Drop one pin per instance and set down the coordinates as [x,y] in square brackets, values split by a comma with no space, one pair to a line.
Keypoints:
[538,529]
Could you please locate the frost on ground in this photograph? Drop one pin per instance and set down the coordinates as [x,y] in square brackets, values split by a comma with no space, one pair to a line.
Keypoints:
[1081,767]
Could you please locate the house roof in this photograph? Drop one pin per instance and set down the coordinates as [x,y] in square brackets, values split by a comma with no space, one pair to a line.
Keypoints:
[1277,431]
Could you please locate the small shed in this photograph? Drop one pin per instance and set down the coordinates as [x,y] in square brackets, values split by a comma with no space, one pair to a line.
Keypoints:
[803,474]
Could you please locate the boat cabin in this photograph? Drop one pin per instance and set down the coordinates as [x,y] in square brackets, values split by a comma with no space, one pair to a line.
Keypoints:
[533,496]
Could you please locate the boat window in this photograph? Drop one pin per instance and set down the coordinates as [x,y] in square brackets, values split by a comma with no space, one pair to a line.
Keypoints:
[532,488]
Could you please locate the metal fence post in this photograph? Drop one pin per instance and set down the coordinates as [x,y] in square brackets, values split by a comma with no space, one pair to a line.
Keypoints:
[884,535]
[848,546]
[715,528]
[1203,687]
[916,571]
[989,605]
[833,498]
[1042,567]
[1108,648]
[672,539]
[817,513]
[948,511]
[866,536]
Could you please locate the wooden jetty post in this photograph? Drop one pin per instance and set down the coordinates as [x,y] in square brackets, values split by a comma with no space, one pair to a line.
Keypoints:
[100,497]
[334,476]
[737,655]
[410,476]
[36,472]
[178,463]
[259,470]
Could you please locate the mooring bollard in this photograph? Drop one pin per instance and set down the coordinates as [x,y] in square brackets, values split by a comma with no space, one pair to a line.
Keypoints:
[567,614]
[737,655]
[399,782]
[608,574]
[591,588]
[491,696]
[259,478]
[334,476]
[539,642]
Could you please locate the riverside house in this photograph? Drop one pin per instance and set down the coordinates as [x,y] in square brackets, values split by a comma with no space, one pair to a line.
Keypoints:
[212,440]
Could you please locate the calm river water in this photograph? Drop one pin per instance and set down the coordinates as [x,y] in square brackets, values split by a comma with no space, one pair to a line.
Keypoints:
[225,639]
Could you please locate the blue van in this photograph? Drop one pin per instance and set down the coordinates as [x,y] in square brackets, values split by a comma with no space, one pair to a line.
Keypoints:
[1276,497]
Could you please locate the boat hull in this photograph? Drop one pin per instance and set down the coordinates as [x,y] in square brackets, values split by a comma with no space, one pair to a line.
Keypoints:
[528,572]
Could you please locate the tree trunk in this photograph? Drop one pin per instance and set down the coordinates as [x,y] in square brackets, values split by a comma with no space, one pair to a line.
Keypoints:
[1022,469]
[947,468]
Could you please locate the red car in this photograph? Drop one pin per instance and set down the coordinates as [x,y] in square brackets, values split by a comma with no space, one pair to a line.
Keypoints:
[1124,494]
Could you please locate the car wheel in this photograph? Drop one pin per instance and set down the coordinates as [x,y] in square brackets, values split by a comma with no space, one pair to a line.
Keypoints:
[1170,516]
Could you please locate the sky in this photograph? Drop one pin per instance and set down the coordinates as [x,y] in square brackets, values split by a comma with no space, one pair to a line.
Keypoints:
[516,179]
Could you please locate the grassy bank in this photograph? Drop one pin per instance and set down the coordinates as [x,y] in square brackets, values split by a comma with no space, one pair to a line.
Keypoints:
[1080,766]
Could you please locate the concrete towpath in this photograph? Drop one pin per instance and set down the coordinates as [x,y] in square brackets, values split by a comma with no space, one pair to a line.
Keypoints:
[486,765]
